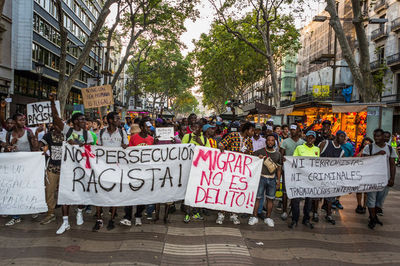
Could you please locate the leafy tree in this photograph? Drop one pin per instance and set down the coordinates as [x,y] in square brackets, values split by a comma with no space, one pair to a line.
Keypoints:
[228,65]
[165,74]
[185,104]
[265,23]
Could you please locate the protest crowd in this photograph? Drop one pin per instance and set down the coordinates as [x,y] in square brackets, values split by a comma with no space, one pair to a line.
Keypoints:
[271,143]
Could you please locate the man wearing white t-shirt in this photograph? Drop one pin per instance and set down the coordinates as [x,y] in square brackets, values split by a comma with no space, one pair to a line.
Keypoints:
[112,136]
[376,199]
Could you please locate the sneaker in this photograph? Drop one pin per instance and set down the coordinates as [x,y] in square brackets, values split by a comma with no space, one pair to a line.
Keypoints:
[125,222]
[220,218]
[48,219]
[253,220]
[138,221]
[269,222]
[371,223]
[187,218]
[234,218]
[64,227]
[315,217]
[360,209]
[13,221]
[110,225]
[329,219]
[279,206]
[284,216]
[79,217]
[379,211]
[197,216]
[308,224]
[35,216]
[292,225]
[377,221]
[339,205]
[97,226]
[333,205]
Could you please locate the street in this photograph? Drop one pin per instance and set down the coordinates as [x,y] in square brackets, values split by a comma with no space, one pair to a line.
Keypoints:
[350,241]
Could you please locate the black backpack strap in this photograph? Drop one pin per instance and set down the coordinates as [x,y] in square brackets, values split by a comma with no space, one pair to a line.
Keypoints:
[190,137]
[390,149]
[8,137]
[85,136]
[30,135]
[101,135]
[69,133]
[122,135]
[370,149]
[205,139]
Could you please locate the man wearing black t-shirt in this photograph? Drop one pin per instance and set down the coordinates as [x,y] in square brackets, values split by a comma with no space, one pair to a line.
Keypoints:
[52,142]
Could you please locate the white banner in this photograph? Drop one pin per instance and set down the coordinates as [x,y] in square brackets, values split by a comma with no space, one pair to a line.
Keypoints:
[124,177]
[40,112]
[223,181]
[330,177]
[22,188]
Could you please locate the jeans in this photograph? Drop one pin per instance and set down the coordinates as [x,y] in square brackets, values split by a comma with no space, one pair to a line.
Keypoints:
[377,198]
[138,214]
[296,209]
[267,186]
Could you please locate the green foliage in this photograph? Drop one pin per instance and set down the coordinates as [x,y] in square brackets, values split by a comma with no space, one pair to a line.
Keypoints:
[185,104]
[166,73]
[228,65]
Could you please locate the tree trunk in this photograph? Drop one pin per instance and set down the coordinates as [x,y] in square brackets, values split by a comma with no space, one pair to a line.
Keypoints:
[64,85]
[362,76]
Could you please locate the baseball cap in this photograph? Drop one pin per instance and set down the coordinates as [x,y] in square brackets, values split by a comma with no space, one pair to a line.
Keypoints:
[219,123]
[311,133]
[207,126]
[341,132]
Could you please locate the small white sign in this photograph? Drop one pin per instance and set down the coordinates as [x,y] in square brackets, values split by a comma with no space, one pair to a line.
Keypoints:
[39,113]
[165,133]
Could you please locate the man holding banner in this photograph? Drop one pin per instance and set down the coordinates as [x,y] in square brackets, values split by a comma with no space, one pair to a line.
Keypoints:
[112,136]
[307,149]
[75,135]
[376,199]
[237,142]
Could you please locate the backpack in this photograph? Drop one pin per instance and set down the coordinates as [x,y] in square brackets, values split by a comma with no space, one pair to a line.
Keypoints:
[30,136]
[104,129]
[69,133]
[370,149]
[204,138]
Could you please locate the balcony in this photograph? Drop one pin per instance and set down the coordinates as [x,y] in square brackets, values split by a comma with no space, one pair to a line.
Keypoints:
[322,58]
[396,24]
[380,5]
[338,97]
[393,60]
[378,34]
[376,65]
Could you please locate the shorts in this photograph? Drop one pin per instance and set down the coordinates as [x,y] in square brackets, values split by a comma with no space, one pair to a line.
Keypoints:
[377,198]
[267,186]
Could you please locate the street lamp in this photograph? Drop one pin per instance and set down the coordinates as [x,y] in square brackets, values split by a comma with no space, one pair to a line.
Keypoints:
[39,67]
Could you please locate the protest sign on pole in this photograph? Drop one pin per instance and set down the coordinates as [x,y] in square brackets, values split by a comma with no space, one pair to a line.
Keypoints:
[22,188]
[223,181]
[97,96]
[40,112]
[330,177]
[100,176]
[165,133]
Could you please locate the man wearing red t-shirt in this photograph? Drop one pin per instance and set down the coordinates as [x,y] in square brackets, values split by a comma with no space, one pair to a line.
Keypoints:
[142,138]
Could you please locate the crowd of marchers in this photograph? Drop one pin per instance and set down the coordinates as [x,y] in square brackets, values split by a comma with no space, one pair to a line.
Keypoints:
[267,141]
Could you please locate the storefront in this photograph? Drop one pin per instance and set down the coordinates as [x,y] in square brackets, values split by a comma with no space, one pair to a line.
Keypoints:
[261,113]
[351,118]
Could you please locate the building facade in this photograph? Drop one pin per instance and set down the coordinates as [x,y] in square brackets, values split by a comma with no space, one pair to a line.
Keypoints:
[6,62]
[36,49]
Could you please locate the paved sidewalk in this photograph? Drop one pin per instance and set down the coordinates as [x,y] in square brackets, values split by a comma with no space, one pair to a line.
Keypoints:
[350,241]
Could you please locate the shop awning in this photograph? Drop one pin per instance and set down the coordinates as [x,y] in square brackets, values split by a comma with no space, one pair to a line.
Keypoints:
[349,108]
[284,111]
